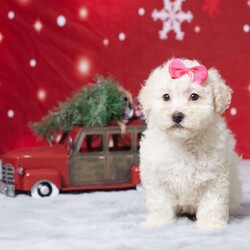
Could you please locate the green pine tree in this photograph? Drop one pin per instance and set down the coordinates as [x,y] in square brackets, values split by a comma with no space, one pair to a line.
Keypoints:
[97,104]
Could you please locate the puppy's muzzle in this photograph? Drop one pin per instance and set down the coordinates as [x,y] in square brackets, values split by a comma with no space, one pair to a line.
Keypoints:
[177,117]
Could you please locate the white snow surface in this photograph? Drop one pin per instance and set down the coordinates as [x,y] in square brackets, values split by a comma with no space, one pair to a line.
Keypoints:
[110,220]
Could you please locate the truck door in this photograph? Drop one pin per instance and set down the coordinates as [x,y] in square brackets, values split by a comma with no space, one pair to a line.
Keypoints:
[120,157]
[87,165]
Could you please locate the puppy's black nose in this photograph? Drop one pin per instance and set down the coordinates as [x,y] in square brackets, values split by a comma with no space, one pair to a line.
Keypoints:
[178,117]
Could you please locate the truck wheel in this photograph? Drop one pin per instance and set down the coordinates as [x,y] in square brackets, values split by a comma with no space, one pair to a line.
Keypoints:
[44,189]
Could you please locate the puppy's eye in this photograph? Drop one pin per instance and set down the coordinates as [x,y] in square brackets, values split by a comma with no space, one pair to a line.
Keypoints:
[166,97]
[194,97]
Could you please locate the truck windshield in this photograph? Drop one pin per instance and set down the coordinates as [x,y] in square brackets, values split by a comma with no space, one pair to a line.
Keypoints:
[63,138]
[68,138]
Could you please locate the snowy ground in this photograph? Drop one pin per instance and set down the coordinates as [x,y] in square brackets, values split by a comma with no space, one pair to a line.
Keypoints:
[109,220]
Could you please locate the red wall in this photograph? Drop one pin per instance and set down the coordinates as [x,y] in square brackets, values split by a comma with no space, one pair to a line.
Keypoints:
[117,37]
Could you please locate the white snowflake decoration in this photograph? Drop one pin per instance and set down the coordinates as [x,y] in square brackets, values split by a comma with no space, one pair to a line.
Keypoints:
[172,17]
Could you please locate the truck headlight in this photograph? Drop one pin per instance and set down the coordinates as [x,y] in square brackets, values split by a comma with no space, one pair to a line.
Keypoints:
[20,171]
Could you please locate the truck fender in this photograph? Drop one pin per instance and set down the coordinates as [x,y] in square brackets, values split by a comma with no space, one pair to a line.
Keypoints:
[32,176]
[135,175]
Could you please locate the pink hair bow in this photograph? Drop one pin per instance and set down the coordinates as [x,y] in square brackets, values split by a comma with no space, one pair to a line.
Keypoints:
[177,69]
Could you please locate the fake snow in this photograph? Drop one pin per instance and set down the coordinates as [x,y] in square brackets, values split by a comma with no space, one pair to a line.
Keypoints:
[109,220]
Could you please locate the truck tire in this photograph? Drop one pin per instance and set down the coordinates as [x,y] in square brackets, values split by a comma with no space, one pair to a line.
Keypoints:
[44,189]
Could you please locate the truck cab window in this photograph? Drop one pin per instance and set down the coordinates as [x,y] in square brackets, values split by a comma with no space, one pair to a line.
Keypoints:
[138,139]
[92,143]
[120,142]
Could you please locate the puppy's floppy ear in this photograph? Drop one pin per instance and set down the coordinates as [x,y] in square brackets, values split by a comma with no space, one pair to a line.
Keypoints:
[221,92]
[146,91]
[144,101]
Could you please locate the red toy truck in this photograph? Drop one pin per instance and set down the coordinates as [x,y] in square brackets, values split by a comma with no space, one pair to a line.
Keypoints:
[84,159]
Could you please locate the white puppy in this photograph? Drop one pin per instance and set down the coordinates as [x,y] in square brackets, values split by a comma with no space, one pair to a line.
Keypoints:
[187,157]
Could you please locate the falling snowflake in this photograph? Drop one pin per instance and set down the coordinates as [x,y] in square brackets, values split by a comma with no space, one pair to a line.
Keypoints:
[172,17]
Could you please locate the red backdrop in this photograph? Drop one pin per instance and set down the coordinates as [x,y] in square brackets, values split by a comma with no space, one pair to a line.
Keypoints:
[50,48]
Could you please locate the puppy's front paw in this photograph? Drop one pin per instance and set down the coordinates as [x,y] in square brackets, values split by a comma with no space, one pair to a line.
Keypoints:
[211,225]
[157,220]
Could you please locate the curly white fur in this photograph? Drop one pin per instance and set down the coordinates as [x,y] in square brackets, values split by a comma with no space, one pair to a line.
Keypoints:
[189,168]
